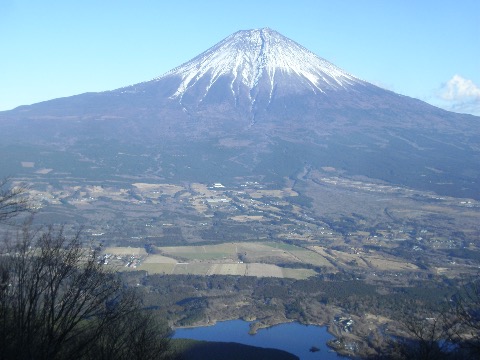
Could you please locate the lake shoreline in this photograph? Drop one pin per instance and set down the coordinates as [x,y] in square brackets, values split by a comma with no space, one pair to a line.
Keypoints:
[236,330]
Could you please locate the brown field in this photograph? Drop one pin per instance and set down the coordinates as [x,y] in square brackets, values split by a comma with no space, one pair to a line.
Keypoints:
[245,218]
[299,274]
[199,204]
[181,269]
[321,251]
[257,194]
[125,251]
[96,191]
[311,257]
[264,270]
[202,189]
[301,237]
[159,259]
[192,268]
[227,269]
[166,189]
[345,258]
[365,260]
[160,268]
[218,249]
[388,264]
[222,259]
[254,259]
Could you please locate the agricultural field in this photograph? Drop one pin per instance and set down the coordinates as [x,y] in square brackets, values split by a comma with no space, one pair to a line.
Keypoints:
[294,242]
[259,259]
[156,190]
[299,224]
[221,259]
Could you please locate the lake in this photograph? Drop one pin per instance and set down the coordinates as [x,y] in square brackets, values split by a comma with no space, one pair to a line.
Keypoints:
[292,337]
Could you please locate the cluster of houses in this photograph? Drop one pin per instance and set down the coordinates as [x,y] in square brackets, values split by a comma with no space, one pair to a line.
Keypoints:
[345,323]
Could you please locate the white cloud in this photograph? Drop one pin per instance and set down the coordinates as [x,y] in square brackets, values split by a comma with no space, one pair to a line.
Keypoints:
[459,88]
[460,95]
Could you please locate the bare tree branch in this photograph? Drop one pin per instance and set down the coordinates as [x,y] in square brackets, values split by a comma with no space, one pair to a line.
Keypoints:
[466,309]
[13,200]
[58,301]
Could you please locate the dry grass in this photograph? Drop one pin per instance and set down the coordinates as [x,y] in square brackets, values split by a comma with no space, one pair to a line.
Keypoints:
[202,190]
[166,189]
[389,264]
[264,270]
[365,260]
[246,218]
[257,194]
[125,251]
[159,259]
[227,269]
[153,268]
[221,259]
[199,204]
[312,257]
[299,274]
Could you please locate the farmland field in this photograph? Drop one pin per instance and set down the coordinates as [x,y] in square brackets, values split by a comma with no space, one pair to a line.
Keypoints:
[221,259]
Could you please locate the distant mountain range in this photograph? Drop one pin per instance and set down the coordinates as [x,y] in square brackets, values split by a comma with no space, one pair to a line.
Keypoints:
[259,104]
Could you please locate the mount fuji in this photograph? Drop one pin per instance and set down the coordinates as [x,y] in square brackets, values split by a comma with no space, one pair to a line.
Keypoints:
[258,103]
[255,68]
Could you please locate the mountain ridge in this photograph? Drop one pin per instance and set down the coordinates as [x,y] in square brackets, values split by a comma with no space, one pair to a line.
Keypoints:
[247,54]
[195,91]
[358,128]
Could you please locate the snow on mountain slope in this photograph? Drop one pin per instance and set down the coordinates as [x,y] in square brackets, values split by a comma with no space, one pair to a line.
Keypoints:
[249,57]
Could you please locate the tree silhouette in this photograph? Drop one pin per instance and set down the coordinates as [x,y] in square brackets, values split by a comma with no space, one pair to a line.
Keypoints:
[13,200]
[58,301]
[466,309]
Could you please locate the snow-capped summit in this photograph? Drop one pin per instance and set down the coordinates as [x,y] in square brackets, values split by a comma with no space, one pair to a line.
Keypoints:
[259,104]
[257,63]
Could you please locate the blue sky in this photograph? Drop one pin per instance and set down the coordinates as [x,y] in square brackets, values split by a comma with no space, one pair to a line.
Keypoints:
[50,48]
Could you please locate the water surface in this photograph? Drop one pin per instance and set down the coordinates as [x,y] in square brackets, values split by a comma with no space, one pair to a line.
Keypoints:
[295,338]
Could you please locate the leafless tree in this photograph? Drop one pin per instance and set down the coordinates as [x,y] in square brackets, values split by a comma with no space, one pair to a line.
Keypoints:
[448,333]
[13,200]
[418,337]
[57,301]
[466,310]
[429,337]
[133,336]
